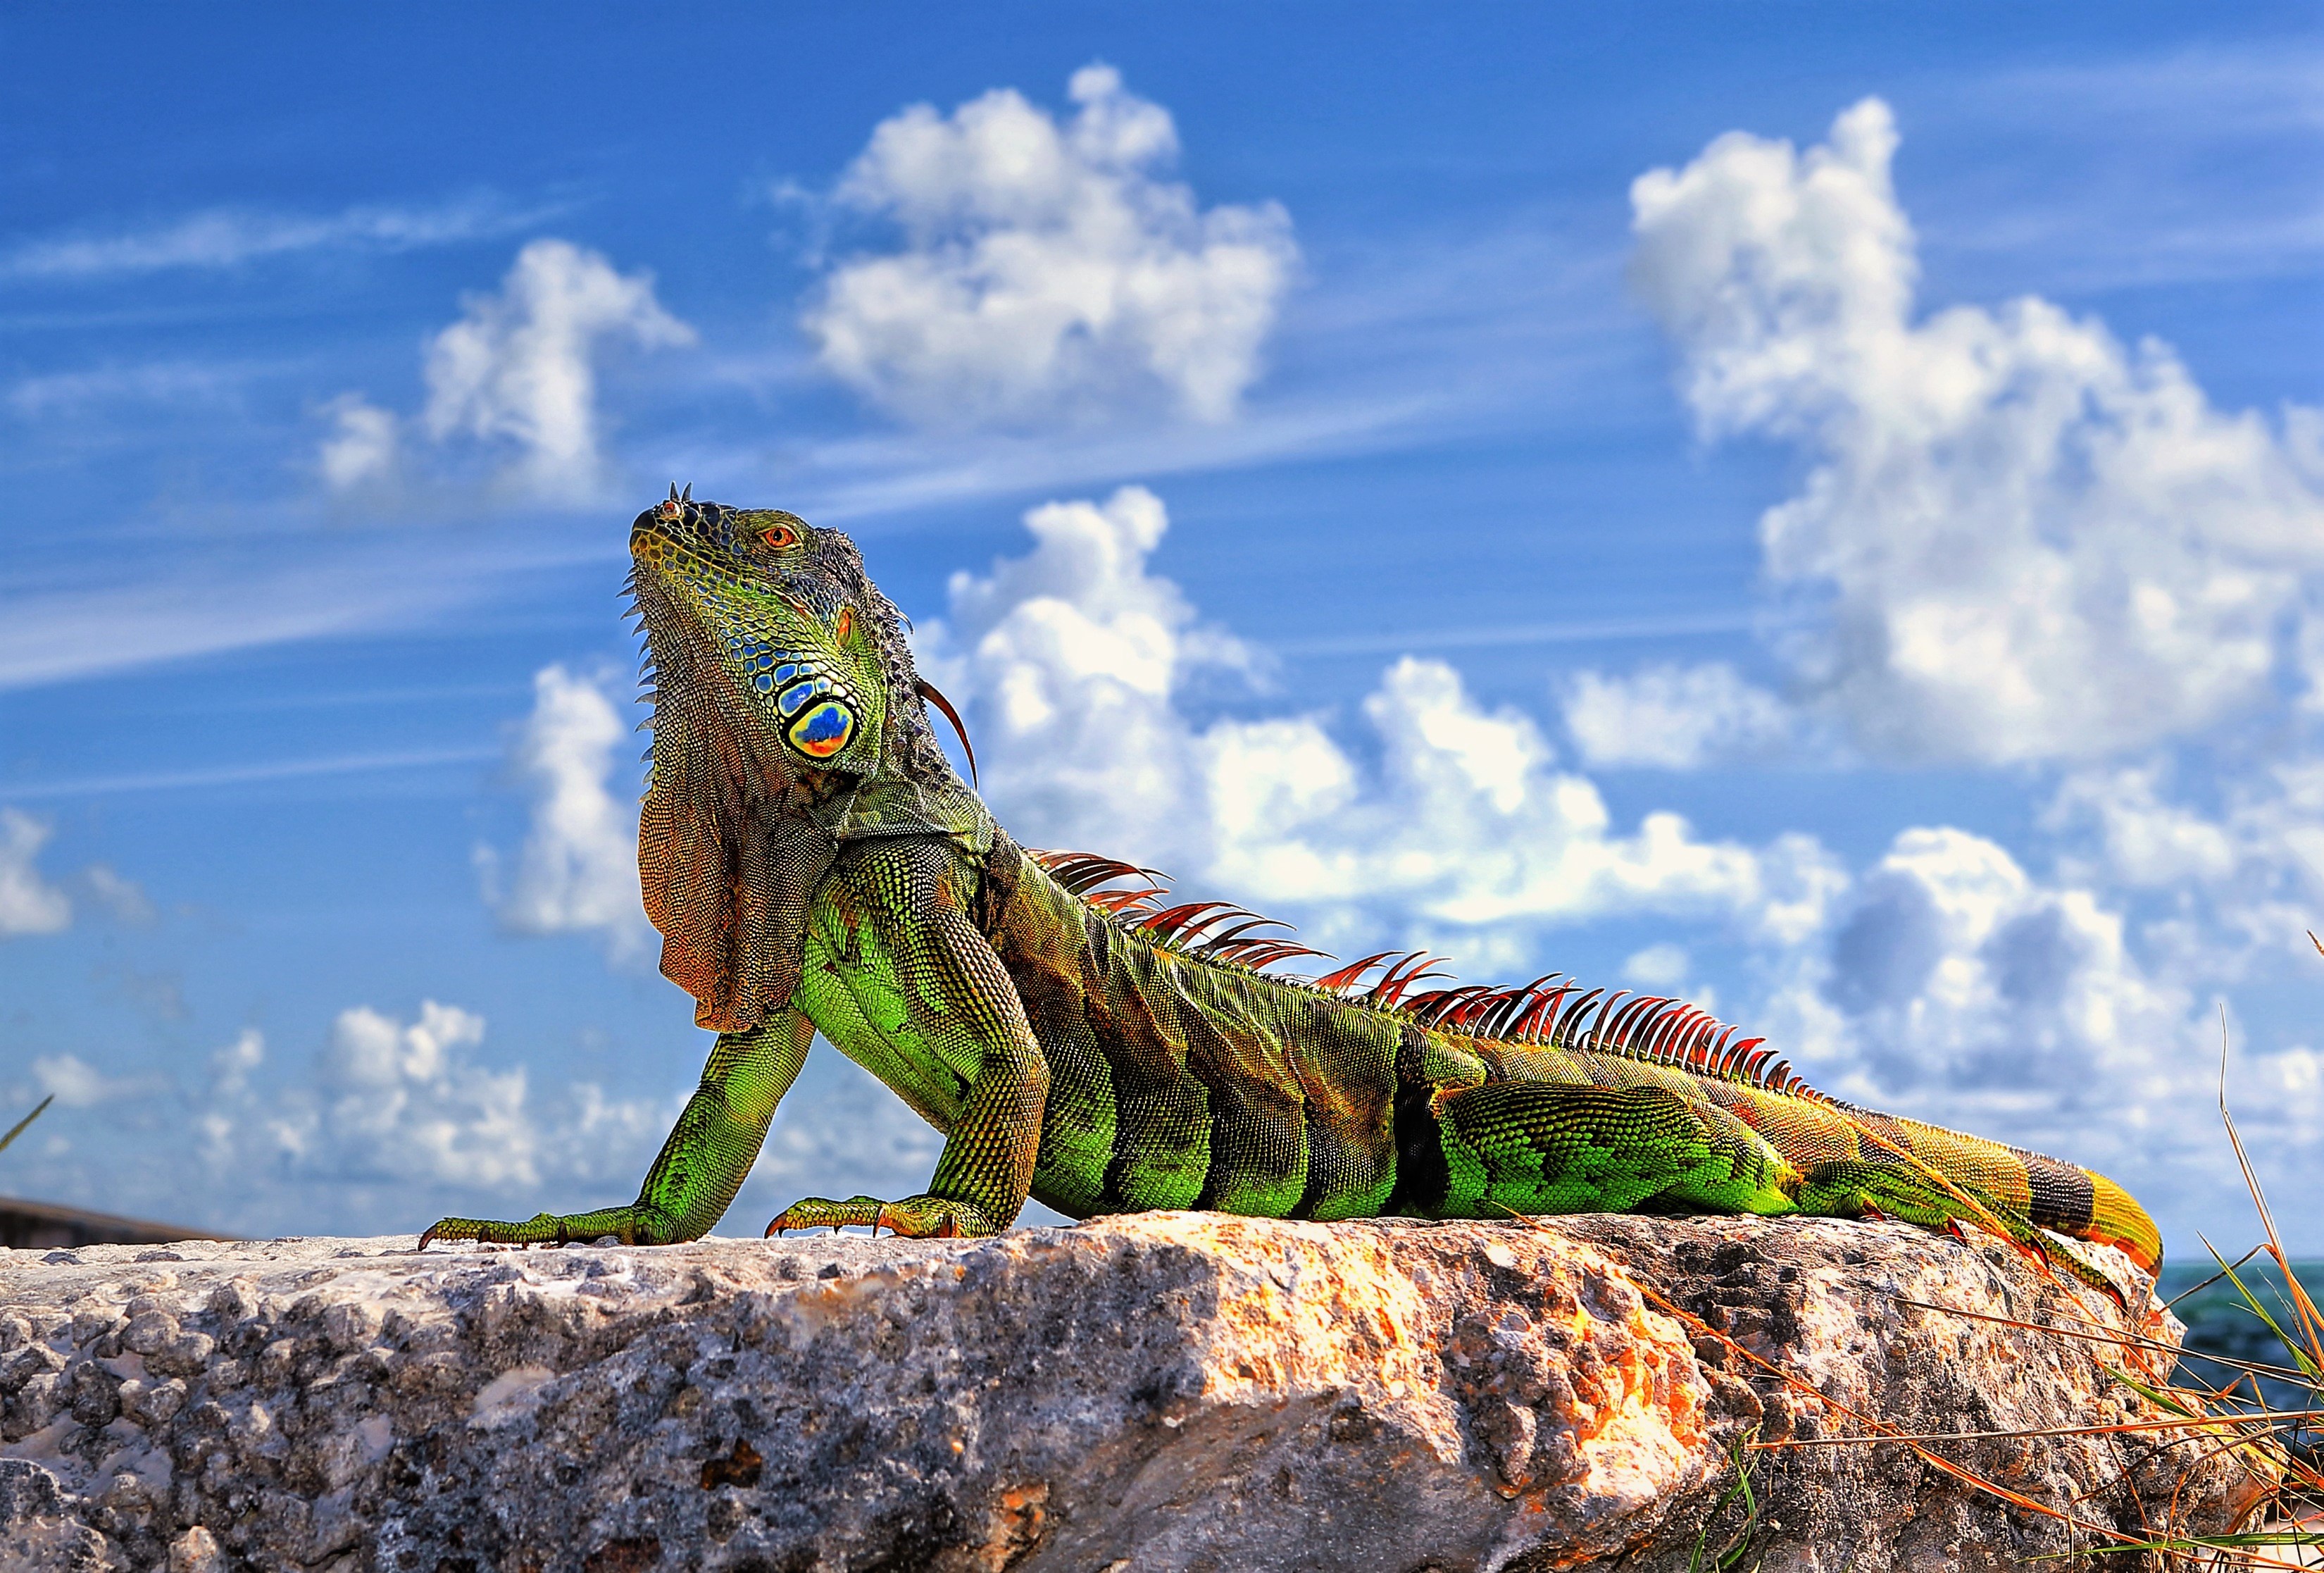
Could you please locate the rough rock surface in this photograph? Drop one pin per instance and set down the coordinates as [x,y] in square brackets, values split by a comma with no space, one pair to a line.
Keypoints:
[1175,1391]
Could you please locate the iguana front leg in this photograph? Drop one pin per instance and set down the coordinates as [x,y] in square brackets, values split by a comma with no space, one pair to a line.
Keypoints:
[703,1163]
[925,962]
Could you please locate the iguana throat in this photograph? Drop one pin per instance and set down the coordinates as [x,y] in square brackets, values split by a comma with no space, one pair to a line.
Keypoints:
[787,722]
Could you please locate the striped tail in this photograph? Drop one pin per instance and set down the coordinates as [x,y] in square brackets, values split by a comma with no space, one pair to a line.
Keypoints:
[2086,1205]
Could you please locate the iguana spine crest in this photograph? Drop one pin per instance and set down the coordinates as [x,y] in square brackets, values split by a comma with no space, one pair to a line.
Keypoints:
[1652,1028]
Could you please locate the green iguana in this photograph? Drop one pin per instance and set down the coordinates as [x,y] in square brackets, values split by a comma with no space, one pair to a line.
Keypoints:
[813,863]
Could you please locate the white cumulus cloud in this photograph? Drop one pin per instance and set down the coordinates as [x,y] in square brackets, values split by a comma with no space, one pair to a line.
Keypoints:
[1048,270]
[2244,877]
[29,905]
[518,374]
[1956,986]
[232,1065]
[1963,968]
[2032,541]
[1674,717]
[2148,840]
[1665,966]
[363,444]
[122,896]
[1468,823]
[399,1102]
[1075,658]
[403,1099]
[1072,654]
[578,870]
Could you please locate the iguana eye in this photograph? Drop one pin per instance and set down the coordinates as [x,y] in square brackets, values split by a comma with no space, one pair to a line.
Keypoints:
[779,536]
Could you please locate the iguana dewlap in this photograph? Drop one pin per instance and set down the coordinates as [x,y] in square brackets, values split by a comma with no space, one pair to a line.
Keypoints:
[814,865]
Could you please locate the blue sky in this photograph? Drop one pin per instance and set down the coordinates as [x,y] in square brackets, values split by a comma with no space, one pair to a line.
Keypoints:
[1818,508]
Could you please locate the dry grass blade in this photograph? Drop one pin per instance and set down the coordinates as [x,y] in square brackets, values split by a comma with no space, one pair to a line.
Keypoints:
[2155,1345]
[2311,1325]
[2172,1423]
[1880,1431]
[17,1129]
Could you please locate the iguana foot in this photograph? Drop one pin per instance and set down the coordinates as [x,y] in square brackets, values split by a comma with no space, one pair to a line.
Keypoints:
[631,1226]
[915,1217]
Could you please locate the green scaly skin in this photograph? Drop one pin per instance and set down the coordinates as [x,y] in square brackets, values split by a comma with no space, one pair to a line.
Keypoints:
[814,864]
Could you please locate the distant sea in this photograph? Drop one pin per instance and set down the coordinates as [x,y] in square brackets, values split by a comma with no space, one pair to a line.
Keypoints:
[2219,1322]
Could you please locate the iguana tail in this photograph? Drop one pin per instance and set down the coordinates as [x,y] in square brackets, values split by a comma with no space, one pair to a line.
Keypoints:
[2117,1220]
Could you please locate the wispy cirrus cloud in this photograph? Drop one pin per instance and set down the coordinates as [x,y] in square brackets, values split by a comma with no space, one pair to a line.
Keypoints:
[71,634]
[866,478]
[2132,170]
[227,237]
[120,893]
[167,604]
[2223,92]
[150,382]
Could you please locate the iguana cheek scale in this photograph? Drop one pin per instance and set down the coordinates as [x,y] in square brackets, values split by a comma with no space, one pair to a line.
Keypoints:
[813,863]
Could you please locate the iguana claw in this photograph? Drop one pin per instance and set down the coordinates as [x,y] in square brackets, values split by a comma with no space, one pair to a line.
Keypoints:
[817,1212]
[914,1217]
[630,1225]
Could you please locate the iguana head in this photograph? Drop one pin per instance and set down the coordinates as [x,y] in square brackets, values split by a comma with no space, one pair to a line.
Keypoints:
[774,622]
[788,716]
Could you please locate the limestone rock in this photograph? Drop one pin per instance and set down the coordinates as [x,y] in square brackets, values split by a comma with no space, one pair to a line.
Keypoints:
[1171,1391]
